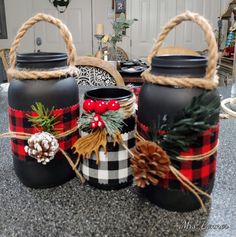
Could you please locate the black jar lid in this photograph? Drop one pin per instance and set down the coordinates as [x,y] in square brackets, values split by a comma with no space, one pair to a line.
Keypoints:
[108,94]
[179,65]
[41,60]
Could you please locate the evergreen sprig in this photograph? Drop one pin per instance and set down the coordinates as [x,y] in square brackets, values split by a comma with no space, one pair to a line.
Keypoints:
[113,121]
[44,119]
[182,131]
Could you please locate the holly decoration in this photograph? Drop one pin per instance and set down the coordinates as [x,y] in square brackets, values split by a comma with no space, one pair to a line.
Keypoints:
[102,115]
[100,107]
[113,105]
[101,124]
[89,105]
[97,117]
[93,124]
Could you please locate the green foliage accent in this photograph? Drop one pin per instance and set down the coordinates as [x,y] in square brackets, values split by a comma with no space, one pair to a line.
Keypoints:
[85,120]
[44,119]
[181,132]
[119,26]
[113,121]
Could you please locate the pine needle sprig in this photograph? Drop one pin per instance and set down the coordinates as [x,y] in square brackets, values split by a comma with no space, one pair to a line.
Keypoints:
[85,120]
[44,119]
[113,121]
[182,132]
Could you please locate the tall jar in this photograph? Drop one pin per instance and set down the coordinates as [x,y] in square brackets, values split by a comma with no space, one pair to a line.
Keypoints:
[57,94]
[163,99]
[113,170]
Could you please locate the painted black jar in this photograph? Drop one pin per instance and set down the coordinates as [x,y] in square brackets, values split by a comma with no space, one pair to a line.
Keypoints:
[160,104]
[60,95]
[113,170]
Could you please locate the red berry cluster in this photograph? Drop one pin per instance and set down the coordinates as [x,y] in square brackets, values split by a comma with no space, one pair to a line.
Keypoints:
[99,107]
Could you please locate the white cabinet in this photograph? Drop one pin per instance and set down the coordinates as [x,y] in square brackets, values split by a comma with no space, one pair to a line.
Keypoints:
[153,14]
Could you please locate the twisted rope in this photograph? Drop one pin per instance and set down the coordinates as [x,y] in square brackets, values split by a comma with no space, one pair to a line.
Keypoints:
[128,106]
[210,80]
[66,35]
[183,82]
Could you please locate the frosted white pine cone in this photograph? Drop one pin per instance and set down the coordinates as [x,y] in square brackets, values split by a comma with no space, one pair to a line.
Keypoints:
[42,146]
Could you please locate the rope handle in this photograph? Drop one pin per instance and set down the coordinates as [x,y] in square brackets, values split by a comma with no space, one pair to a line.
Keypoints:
[64,31]
[209,35]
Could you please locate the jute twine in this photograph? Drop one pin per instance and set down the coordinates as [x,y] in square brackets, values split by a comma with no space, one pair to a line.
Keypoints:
[65,33]
[182,179]
[210,81]
[26,136]
[128,106]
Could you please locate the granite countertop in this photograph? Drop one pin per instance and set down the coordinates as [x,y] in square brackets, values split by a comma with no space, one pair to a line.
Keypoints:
[80,210]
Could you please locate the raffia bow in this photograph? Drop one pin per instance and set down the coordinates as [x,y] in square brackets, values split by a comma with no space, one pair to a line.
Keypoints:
[92,142]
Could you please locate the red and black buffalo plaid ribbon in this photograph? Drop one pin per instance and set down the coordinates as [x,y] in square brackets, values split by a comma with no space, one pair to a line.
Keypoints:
[18,121]
[199,172]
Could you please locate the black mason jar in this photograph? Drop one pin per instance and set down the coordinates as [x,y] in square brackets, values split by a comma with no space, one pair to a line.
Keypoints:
[43,78]
[167,101]
[56,93]
[113,170]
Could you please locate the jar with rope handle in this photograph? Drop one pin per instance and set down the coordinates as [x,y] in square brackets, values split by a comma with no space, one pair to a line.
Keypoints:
[45,78]
[179,110]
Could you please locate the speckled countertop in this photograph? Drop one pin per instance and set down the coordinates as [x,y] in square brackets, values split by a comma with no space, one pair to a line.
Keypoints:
[76,210]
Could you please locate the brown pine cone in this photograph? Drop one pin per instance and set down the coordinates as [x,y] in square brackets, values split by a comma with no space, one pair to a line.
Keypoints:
[149,163]
[42,146]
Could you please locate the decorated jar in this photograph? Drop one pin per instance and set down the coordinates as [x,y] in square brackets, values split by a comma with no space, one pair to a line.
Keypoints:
[174,162]
[107,123]
[43,88]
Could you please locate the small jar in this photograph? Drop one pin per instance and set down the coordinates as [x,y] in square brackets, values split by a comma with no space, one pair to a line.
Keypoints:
[113,171]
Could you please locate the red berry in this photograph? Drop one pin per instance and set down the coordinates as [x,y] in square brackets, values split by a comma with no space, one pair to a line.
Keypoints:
[101,124]
[100,107]
[93,124]
[88,105]
[96,117]
[113,105]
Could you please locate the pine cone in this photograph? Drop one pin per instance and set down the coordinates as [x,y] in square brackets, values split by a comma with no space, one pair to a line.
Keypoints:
[150,162]
[42,146]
